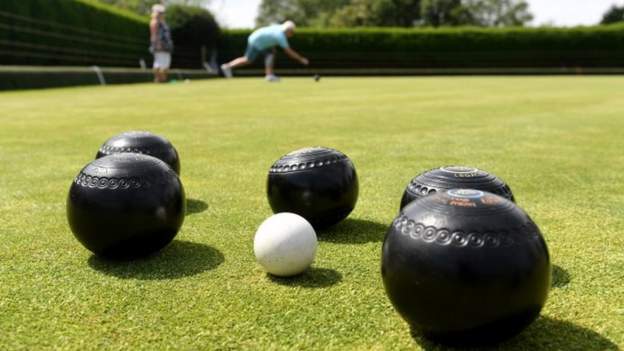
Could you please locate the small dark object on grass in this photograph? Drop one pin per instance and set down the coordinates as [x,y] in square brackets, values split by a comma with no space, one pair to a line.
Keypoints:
[317,77]
[142,143]
[466,267]
[454,177]
[320,184]
[125,205]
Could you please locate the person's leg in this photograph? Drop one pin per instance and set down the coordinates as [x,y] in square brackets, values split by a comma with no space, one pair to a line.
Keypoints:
[226,68]
[162,61]
[269,62]
[156,67]
[250,55]
[165,67]
[238,62]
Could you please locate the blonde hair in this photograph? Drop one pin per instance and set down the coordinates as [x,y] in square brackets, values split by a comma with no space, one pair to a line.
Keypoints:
[158,9]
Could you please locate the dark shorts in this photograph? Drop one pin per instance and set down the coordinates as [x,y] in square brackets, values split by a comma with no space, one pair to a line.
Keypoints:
[252,53]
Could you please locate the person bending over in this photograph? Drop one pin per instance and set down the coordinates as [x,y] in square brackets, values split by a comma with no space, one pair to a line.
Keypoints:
[263,42]
[161,43]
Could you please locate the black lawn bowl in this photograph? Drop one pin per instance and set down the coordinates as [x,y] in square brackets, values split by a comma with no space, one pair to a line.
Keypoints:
[126,205]
[465,267]
[142,143]
[319,184]
[454,177]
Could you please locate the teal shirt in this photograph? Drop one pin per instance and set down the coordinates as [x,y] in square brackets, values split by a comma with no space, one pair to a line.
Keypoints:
[268,37]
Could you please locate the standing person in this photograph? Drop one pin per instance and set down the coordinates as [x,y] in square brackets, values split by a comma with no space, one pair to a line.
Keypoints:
[263,42]
[161,43]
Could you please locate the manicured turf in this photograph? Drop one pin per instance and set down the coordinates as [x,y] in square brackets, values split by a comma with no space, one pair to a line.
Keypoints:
[558,141]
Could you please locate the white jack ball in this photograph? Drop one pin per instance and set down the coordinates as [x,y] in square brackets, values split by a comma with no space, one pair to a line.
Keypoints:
[285,244]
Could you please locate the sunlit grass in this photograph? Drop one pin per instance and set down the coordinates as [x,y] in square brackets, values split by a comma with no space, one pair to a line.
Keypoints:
[557,141]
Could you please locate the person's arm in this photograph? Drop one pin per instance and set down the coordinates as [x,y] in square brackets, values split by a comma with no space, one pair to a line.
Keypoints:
[154,35]
[295,56]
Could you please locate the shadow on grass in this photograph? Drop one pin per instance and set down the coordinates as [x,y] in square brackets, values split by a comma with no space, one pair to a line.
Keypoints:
[560,277]
[312,278]
[545,334]
[179,259]
[354,231]
[195,206]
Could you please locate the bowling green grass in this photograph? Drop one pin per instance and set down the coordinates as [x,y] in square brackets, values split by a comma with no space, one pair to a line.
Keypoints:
[558,141]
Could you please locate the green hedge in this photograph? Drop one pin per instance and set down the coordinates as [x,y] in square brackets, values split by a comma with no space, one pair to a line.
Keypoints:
[192,28]
[82,32]
[87,32]
[449,47]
